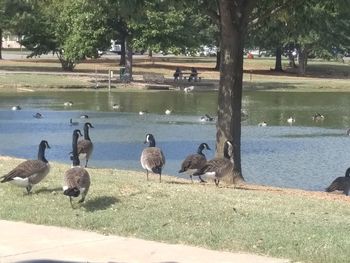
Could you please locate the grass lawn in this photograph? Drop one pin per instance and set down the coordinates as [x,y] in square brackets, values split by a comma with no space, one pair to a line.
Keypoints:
[321,75]
[299,225]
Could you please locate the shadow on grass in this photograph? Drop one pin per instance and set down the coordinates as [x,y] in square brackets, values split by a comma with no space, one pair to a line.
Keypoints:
[100,203]
[48,190]
[178,182]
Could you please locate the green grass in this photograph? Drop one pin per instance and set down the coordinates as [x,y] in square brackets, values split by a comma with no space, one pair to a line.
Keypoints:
[292,225]
[41,81]
[321,75]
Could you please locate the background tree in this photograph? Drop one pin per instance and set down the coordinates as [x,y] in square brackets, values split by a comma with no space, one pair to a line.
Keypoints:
[73,30]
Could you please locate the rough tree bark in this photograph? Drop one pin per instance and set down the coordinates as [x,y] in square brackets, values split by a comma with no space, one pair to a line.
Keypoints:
[302,61]
[0,43]
[233,23]
[122,52]
[128,57]
[278,64]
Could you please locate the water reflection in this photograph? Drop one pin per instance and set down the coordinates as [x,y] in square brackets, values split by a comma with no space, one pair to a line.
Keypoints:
[305,155]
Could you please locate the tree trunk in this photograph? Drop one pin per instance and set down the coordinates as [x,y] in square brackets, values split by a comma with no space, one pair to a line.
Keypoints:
[291,60]
[128,57]
[218,60]
[122,52]
[278,64]
[302,59]
[0,43]
[233,23]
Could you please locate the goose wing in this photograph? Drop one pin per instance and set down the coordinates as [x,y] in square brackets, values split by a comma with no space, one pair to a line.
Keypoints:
[84,146]
[219,166]
[339,184]
[193,161]
[25,170]
[152,157]
[77,177]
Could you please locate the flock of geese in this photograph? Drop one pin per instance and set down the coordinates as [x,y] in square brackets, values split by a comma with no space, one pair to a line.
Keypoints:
[77,179]
[317,117]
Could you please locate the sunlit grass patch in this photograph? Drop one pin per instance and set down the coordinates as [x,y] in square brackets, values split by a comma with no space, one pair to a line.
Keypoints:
[299,225]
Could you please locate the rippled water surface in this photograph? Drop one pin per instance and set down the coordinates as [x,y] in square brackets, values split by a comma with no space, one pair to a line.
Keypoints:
[306,155]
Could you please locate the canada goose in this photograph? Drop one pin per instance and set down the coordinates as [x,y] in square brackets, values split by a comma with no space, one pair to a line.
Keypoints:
[341,184]
[85,146]
[168,112]
[116,106]
[152,158]
[84,116]
[68,103]
[262,124]
[73,123]
[142,112]
[317,117]
[291,120]
[206,117]
[38,115]
[29,172]
[16,107]
[194,162]
[76,179]
[348,132]
[219,167]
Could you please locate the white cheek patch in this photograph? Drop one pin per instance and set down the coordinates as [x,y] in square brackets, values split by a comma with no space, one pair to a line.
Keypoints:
[82,189]
[22,182]
[65,188]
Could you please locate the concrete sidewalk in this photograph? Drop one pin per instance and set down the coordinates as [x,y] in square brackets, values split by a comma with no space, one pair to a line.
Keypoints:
[22,242]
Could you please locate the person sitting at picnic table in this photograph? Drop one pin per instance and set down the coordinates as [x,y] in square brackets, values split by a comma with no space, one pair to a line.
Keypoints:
[194,74]
[177,74]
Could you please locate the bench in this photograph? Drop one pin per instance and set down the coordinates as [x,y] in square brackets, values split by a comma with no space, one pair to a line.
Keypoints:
[187,76]
[153,77]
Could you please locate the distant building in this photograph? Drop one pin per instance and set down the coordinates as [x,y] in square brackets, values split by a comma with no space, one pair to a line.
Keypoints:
[10,41]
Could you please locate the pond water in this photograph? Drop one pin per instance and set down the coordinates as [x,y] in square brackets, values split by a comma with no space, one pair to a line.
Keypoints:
[306,155]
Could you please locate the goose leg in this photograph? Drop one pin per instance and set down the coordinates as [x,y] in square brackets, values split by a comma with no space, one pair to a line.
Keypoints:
[216,180]
[70,201]
[202,181]
[160,177]
[191,178]
[82,198]
[147,174]
[86,162]
[29,188]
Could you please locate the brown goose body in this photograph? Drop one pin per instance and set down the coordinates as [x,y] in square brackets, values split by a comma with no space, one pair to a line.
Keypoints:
[29,172]
[194,162]
[341,184]
[76,179]
[76,182]
[152,158]
[85,146]
[219,167]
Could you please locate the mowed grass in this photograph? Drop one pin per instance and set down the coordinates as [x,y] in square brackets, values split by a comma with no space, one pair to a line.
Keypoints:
[288,224]
[321,75]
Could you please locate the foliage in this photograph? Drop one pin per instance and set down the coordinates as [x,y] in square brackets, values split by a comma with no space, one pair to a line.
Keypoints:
[74,30]
[320,27]
[176,28]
